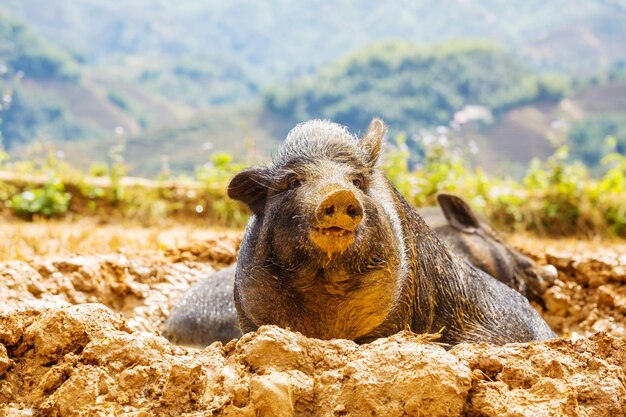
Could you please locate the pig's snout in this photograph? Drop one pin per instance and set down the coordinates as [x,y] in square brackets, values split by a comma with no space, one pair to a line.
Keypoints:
[336,218]
[339,210]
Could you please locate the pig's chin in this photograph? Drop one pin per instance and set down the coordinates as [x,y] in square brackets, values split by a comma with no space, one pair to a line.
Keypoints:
[332,241]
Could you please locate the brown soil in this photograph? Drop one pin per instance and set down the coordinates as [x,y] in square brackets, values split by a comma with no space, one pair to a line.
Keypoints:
[79,337]
[141,286]
[590,295]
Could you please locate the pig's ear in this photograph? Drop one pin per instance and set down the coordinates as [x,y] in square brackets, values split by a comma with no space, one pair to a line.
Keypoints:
[372,141]
[250,187]
[458,213]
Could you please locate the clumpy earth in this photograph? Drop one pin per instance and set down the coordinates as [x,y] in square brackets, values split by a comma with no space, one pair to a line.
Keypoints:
[590,294]
[79,336]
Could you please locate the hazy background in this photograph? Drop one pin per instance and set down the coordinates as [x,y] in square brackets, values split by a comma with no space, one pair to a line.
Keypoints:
[168,83]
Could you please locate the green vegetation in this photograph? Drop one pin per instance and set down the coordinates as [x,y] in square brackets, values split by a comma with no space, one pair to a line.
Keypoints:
[282,38]
[121,100]
[198,82]
[184,78]
[588,138]
[21,50]
[31,117]
[49,200]
[556,197]
[26,116]
[159,70]
[244,132]
[106,192]
[412,88]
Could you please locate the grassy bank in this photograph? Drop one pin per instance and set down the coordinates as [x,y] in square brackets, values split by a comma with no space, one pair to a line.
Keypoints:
[556,197]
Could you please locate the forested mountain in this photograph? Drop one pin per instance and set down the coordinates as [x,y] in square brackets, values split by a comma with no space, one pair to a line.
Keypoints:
[177,76]
[290,37]
[21,49]
[25,55]
[414,88]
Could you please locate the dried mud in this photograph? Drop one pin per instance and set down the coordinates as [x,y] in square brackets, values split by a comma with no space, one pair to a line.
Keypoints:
[79,337]
[590,294]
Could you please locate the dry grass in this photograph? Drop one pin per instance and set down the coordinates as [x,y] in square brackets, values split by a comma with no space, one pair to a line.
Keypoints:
[21,240]
[538,246]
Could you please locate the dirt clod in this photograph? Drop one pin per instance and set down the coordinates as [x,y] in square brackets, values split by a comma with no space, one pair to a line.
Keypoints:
[83,360]
[79,337]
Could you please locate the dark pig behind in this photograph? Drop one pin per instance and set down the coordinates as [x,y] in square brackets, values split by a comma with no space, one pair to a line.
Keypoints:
[332,250]
[473,239]
[206,312]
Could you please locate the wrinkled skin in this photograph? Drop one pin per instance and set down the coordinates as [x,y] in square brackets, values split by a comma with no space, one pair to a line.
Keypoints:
[358,280]
[473,239]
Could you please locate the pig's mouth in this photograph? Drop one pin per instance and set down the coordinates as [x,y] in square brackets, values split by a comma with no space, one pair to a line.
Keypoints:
[334,231]
[332,240]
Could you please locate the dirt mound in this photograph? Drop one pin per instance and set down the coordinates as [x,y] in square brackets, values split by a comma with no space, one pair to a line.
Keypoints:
[141,286]
[79,337]
[591,295]
[84,360]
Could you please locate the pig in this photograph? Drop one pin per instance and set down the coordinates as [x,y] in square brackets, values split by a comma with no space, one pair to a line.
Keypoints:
[333,250]
[473,239]
[207,313]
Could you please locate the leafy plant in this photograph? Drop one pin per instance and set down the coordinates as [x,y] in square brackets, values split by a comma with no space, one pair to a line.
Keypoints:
[49,200]
[556,197]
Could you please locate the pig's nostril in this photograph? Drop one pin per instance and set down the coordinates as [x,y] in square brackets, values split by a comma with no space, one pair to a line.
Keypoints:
[339,209]
[352,211]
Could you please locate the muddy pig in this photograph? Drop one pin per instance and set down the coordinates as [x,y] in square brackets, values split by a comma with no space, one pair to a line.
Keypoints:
[333,250]
[206,313]
[473,239]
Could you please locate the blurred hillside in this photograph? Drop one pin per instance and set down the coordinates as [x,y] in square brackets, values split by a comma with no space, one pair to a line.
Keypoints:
[170,82]
[282,36]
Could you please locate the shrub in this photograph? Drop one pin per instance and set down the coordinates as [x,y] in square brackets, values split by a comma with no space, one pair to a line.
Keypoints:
[556,197]
[49,200]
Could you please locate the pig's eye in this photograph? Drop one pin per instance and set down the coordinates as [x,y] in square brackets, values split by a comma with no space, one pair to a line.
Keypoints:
[358,182]
[294,183]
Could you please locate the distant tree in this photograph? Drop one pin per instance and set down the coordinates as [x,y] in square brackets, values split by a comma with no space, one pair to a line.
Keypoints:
[29,116]
[412,87]
[588,138]
[22,50]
